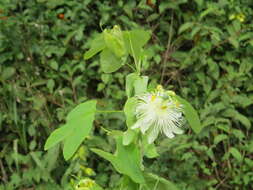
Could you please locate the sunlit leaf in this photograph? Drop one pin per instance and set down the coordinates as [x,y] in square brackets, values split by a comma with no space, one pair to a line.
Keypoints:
[129,110]
[57,135]
[97,45]
[82,110]
[109,62]
[135,40]
[77,128]
[128,136]
[191,115]
[130,79]
[149,149]
[114,41]
[140,85]
[155,182]
[81,129]
[126,160]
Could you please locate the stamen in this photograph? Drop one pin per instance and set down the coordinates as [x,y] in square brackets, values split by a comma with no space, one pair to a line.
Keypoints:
[177,104]
[158,111]
[153,97]
[164,107]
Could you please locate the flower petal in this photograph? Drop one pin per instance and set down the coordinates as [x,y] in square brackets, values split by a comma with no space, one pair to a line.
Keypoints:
[159,114]
[177,130]
[168,132]
[143,124]
[153,134]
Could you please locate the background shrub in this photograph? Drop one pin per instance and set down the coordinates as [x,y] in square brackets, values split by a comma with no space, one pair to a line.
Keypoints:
[200,49]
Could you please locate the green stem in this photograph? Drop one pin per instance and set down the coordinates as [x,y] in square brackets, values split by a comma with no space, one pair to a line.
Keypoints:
[106,130]
[131,67]
[109,111]
[156,184]
[132,49]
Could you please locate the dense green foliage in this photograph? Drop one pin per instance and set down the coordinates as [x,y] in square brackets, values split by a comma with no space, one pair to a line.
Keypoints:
[200,49]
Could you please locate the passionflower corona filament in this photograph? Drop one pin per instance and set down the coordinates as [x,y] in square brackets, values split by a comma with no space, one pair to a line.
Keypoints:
[158,112]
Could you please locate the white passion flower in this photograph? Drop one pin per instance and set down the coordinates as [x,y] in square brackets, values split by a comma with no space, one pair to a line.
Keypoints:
[159,112]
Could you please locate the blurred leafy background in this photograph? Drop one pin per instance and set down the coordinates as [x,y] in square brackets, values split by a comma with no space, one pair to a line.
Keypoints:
[203,50]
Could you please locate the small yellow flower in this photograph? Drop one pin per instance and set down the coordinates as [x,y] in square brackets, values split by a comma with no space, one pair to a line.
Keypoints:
[89,171]
[232,17]
[85,184]
[153,98]
[240,17]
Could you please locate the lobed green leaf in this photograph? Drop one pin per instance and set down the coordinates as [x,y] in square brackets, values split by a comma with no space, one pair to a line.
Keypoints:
[191,115]
[126,160]
[77,128]
[109,61]
[97,45]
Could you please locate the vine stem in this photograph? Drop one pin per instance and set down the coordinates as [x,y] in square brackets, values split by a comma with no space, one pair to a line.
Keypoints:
[156,184]
[131,67]
[167,52]
[132,49]
[109,111]
[106,130]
